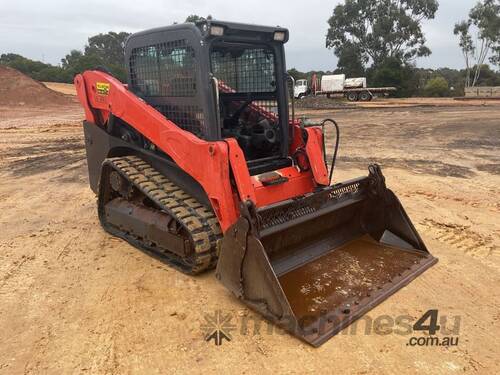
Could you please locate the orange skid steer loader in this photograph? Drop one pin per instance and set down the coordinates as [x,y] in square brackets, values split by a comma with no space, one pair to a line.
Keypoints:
[199,159]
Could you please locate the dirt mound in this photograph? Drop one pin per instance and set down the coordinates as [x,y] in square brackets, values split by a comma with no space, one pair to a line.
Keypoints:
[17,88]
[321,102]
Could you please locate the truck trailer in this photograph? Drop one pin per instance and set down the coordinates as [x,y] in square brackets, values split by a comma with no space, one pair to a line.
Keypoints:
[353,89]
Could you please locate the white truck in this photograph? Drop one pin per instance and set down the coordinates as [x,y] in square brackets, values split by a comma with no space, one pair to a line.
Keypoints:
[353,89]
[301,89]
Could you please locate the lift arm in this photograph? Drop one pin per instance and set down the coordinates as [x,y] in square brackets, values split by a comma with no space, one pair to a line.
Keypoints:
[207,162]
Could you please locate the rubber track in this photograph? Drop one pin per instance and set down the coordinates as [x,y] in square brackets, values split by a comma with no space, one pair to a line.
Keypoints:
[199,221]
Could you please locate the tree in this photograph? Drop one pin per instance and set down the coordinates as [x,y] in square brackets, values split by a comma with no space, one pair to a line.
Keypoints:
[484,21]
[495,56]
[437,86]
[488,77]
[110,47]
[71,59]
[102,50]
[455,79]
[296,74]
[351,60]
[77,62]
[34,69]
[193,18]
[486,17]
[392,72]
[381,29]
[24,65]
[466,45]
[106,50]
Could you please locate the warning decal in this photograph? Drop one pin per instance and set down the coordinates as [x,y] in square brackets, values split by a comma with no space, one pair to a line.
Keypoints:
[102,88]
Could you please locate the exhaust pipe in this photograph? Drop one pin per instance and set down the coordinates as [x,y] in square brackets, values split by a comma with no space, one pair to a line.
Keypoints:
[316,264]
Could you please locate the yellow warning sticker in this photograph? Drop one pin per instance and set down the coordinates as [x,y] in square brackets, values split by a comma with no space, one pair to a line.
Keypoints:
[102,88]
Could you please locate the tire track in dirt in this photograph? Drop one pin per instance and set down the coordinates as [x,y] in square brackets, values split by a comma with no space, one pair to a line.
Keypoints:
[41,155]
[462,238]
[15,269]
[40,347]
[474,203]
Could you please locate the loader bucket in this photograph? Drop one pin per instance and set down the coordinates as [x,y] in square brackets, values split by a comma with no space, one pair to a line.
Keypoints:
[315,264]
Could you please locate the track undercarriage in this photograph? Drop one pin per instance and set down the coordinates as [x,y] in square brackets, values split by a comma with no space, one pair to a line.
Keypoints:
[142,206]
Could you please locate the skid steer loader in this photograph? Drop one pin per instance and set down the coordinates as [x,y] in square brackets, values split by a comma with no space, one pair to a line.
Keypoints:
[200,160]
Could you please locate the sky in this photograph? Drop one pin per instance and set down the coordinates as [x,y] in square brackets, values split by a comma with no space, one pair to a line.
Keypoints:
[47,30]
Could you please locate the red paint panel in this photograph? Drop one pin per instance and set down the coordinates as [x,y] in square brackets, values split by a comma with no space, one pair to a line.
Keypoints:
[299,183]
[240,171]
[314,151]
[81,92]
[206,162]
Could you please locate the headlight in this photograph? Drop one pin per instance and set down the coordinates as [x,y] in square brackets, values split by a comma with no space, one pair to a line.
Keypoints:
[279,36]
[216,30]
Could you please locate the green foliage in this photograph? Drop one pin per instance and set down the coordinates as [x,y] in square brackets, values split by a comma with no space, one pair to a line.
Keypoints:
[484,21]
[76,62]
[488,77]
[495,55]
[437,86]
[392,72]
[22,64]
[381,29]
[193,18]
[35,69]
[485,16]
[109,48]
[465,39]
[454,77]
[71,59]
[53,74]
[351,60]
[411,81]
[296,74]
[105,50]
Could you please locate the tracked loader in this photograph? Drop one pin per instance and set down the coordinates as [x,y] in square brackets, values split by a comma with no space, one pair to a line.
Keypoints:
[199,159]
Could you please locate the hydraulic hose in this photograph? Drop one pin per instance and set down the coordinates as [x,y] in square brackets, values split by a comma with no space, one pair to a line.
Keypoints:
[306,124]
[337,139]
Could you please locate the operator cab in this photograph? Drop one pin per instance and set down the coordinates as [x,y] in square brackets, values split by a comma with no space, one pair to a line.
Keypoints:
[248,68]
[218,80]
[248,106]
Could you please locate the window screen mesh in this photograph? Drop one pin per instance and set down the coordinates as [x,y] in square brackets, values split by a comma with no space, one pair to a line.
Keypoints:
[245,70]
[165,69]
[187,117]
[266,108]
[168,71]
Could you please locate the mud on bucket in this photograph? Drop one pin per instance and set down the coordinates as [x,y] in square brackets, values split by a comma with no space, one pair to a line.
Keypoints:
[316,264]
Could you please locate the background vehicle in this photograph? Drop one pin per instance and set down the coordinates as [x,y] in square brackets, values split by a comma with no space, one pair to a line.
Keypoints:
[301,89]
[198,159]
[353,89]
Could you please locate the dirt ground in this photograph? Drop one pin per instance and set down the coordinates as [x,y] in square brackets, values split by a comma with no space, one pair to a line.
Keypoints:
[65,88]
[73,299]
